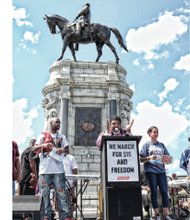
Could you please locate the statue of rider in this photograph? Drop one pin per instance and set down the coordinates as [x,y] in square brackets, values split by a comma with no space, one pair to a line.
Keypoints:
[83,19]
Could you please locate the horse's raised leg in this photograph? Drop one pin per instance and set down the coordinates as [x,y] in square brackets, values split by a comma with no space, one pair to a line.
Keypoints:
[109,44]
[72,49]
[65,44]
[63,51]
[99,49]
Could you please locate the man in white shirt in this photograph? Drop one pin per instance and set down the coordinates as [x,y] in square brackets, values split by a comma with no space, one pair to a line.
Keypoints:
[50,147]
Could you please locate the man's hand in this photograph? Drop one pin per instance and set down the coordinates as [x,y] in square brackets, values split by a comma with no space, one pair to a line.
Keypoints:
[33,181]
[59,151]
[108,127]
[166,159]
[48,146]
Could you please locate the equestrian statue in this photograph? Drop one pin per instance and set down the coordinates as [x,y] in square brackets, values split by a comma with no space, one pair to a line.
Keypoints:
[81,31]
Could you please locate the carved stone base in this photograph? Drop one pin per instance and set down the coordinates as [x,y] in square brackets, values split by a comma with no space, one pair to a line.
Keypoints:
[88,85]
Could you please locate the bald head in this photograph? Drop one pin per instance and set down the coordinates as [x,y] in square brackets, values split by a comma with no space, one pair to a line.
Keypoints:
[52,120]
[55,125]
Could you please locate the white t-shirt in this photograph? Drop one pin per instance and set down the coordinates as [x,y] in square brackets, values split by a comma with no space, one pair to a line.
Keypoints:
[48,164]
[70,164]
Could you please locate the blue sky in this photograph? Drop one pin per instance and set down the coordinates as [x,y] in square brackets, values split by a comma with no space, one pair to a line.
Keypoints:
[158,66]
[158,63]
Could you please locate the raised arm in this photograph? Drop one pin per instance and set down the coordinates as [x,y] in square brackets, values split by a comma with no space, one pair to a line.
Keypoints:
[129,126]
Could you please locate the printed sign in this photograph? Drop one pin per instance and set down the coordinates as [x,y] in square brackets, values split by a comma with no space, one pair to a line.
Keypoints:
[122,161]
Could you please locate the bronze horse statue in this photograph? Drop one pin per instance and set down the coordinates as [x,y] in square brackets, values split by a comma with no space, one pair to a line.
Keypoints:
[95,33]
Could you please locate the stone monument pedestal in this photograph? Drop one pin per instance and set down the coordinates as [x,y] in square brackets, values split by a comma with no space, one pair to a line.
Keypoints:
[84,95]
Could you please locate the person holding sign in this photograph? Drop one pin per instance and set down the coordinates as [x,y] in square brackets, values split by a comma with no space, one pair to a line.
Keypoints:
[154,155]
[114,129]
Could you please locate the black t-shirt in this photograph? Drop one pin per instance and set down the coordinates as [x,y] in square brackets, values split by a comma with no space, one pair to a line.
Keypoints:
[27,155]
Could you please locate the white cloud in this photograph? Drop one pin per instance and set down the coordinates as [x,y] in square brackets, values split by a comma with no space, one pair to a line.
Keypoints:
[156,56]
[187,108]
[169,86]
[150,66]
[170,124]
[23,45]
[183,63]
[186,9]
[20,16]
[136,62]
[179,104]
[29,36]
[174,165]
[33,51]
[174,168]
[162,32]
[132,87]
[22,120]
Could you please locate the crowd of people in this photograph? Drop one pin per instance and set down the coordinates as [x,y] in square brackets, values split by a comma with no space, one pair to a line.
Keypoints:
[44,164]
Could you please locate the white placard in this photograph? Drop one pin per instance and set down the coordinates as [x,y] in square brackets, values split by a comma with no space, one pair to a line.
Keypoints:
[56,156]
[122,161]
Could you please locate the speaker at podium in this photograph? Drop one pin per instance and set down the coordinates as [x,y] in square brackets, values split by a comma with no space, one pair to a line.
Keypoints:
[27,205]
[120,177]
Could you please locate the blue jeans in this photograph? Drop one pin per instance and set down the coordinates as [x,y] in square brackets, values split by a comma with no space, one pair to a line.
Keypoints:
[159,180]
[58,182]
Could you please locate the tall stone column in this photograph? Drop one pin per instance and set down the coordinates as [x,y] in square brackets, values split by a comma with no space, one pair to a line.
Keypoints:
[113,107]
[64,106]
[113,96]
